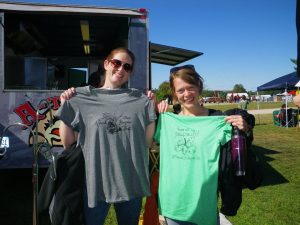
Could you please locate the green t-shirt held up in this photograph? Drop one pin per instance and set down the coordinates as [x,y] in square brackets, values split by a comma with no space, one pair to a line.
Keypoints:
[189,163]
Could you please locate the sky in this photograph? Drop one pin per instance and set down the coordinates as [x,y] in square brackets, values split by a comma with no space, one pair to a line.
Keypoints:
[244,42]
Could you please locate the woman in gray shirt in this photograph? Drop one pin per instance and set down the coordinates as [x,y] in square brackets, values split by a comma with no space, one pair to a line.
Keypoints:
[110,125]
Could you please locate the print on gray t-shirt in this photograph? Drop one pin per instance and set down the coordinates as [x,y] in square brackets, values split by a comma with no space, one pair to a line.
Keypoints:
[111,125]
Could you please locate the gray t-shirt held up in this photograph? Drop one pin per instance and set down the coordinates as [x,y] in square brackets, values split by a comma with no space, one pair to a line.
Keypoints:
[111,125]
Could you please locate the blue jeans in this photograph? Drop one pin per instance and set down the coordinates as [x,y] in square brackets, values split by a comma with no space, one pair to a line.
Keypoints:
[128,213]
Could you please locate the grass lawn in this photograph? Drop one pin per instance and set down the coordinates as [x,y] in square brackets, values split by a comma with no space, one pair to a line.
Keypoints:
[277,201]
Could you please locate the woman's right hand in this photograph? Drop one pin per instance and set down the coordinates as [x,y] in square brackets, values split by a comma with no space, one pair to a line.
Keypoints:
[66,95]
[162,107]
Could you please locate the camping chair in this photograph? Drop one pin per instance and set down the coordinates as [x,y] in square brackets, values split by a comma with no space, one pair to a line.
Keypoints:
[154,157]
[297,118]
[289,120]
[276,119]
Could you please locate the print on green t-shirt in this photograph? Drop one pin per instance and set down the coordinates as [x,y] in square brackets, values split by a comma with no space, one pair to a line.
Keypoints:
[185,144]
[189,160]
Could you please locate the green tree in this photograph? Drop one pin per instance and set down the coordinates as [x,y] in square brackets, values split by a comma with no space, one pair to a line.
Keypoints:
[207,93]
[222,95]
[239,88]
[163,90]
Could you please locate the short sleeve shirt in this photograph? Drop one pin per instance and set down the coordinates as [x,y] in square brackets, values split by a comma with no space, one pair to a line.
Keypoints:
[189,161]
[112,133]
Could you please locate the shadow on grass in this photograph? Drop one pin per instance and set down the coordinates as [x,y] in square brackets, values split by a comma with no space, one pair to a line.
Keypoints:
[271,176]
[259,124]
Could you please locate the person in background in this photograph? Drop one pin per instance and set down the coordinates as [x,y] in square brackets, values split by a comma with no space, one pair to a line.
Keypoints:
[96,79]
[281,112]
[114,127]
[183,199]
[236,99]
[285,116]
[244,103]
[296,100]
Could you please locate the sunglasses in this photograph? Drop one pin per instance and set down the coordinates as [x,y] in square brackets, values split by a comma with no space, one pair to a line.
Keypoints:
[175,69]
[117,64]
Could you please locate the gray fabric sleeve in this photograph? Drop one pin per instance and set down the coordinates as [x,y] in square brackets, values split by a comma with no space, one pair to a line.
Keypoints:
[68,115]
[151,112]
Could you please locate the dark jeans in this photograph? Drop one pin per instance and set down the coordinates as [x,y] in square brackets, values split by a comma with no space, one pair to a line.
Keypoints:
[127,212]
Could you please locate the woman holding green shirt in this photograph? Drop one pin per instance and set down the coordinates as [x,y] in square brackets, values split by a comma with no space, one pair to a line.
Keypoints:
[187,207]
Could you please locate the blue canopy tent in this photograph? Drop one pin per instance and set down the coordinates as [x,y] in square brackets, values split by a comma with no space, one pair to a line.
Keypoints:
[285,82]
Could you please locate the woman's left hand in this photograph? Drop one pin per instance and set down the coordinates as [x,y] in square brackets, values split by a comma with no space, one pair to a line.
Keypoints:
[238,121]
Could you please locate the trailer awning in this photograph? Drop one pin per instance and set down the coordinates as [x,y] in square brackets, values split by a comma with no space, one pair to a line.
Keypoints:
[168,55]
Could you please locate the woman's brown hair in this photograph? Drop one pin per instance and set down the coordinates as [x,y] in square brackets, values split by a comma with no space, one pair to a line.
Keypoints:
[188,75]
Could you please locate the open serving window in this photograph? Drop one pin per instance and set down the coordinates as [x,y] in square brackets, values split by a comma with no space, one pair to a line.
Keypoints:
[50,50]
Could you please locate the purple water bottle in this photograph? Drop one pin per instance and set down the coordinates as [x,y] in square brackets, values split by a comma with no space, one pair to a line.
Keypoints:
[238,152]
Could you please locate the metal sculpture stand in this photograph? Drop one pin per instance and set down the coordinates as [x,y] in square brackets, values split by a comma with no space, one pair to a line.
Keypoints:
[37,147]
